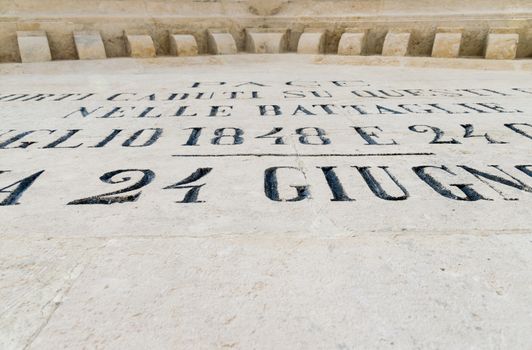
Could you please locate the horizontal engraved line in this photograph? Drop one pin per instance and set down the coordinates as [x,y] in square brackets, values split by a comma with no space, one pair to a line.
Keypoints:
[301,155]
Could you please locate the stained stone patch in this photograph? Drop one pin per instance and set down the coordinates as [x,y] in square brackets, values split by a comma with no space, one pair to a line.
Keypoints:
[447,45]
[33,46]
[221,43]
[183,45]
[311,42]
[89,45]
[501,46]
[396,44]
[352,43]
[140,45]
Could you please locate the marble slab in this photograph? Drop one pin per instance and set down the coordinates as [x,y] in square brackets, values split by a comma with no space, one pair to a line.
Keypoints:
[264,201]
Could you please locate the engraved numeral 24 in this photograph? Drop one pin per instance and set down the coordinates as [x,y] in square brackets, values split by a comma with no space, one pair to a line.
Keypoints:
[131,193]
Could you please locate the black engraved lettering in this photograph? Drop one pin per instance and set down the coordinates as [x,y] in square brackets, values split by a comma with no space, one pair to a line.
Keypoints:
[438,134]
[112,197]
[19,188]
[271,186]
[192,194]
[376,187]
[279,140]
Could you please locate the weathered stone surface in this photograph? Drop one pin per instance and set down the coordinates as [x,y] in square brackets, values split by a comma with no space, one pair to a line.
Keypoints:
[352,43]
[33,46]
[311,42]
[244,113]
[396,44]
[501,46]
[37,276]
[183,45]
[221,43]
[265,42]
[140,45]
[265,201]
[89,45]
[447,45]
[292,8]
[183,293]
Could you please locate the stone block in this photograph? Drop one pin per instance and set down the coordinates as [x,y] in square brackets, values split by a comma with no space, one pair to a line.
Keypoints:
[123,230]
[221,43]
[396,44]
[183,45]
[502,46]
[33,46]
[447,45]
[311,42]
[139,46]
[264,42]
[352,43]
[89,45]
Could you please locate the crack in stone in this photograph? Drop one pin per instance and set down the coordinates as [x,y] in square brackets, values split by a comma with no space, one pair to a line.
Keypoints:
[318,213]
[57,300]
[345,234]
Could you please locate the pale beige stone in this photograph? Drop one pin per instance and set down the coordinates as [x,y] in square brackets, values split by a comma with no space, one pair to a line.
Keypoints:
[429,63]
[221,43]
[33,46]
[89,45]
[447,45]
[183,45]
[268,292]
[140,45]
[396,44]
[265,42]
[311,42]
[166,75]
[238,270]
[501,46]
[293,8]
[60,18]
[352,43]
